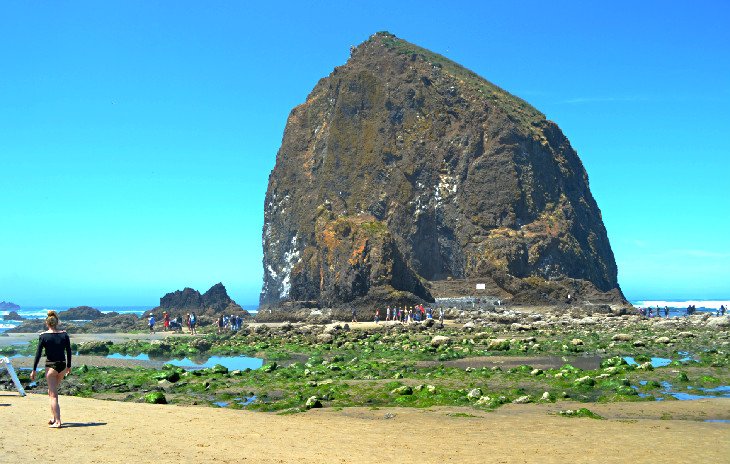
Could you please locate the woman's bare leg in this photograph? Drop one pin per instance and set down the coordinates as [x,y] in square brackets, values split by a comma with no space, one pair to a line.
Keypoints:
[54,379]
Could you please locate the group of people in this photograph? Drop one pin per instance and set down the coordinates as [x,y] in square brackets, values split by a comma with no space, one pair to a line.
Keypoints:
[232,323]
[408,314]
[691,309]
[191,320]
[651,312]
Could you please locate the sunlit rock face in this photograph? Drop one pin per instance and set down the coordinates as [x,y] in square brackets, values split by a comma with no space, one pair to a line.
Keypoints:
[404,176]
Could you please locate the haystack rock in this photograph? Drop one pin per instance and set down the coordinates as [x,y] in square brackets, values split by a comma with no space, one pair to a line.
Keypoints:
[404,177]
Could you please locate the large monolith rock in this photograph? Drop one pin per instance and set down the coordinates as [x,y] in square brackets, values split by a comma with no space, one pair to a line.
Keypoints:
[405,176]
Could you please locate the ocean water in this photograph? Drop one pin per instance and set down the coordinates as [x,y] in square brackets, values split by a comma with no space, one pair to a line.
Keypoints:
[701,305]
[37,312]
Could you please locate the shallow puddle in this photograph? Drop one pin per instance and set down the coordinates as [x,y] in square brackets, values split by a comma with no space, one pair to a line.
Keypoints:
[691,393]
[231,362]
[240,401]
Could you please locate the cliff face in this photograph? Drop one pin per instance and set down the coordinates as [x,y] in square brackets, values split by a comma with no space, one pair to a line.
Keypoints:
[402,168]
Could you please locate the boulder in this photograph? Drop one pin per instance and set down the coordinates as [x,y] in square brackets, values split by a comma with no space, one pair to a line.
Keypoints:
[587,380]
[94,347]
[718,322]
[498,344]
[155,398]
[523,400]
[403,390]
[440,340]
[474,393]
[313,402]
[621,337]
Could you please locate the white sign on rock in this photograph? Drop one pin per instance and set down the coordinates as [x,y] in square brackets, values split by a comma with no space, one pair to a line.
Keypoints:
[481,286]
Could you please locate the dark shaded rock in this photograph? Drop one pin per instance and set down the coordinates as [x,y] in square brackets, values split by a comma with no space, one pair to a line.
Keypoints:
[403,168]
[12,316]
[206,306]
[185,299]
[36,326]
[80,313]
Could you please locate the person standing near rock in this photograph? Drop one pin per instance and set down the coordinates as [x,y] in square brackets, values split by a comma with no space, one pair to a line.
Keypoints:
[377,315]
[57,345]
[193,321]
[151,322]
[165,321]
[354,315]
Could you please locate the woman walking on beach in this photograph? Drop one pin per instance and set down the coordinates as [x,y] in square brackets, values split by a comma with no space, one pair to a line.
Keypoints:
[56,344]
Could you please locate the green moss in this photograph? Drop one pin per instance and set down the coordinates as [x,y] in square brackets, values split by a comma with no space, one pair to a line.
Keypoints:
[155,398]
[582,412]
[515,107]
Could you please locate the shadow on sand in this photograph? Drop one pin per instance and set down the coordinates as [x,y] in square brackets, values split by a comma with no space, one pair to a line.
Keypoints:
[82,424]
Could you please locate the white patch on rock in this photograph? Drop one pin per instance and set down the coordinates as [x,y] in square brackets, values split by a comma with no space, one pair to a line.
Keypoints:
[291,257]
[270,270]
[445,189]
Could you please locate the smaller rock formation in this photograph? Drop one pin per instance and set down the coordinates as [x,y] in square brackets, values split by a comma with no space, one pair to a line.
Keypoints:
[12,316]
[211,303]
[6,305]
[80,313]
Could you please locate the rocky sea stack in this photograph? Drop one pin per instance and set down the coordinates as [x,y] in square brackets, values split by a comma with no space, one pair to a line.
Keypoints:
[211,303]
[405,177]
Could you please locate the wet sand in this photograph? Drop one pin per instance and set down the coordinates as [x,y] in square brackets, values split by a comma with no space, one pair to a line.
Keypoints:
[114,432]
[22,362]
[23,338]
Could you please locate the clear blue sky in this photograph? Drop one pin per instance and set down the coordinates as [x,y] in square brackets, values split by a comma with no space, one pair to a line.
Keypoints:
[136,137]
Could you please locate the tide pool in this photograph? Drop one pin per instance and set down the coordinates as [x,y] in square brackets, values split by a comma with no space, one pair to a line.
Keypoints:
[231,362]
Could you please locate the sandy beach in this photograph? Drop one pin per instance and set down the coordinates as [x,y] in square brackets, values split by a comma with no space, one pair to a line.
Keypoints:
[114,432]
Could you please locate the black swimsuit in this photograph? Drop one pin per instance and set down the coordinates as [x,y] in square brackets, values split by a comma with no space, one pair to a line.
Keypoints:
[55,344]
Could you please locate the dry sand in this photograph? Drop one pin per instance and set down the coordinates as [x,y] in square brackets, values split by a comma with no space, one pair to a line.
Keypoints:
[112,432]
